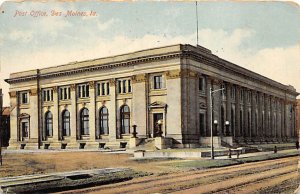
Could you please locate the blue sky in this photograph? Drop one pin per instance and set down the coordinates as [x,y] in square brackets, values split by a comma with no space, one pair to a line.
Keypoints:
[261,36]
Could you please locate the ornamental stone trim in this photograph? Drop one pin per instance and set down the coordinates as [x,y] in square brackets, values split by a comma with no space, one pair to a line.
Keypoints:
[139,78]
[13,94]
[33,92]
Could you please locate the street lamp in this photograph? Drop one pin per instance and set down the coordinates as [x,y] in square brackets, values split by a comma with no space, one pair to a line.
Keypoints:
[211,92]
[227,132]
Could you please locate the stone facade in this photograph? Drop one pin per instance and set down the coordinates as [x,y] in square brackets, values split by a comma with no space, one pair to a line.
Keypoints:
[95,103]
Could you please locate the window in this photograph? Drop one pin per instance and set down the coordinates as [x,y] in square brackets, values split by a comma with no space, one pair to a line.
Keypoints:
[84,121]
[124,86]
[66,123]
[202,84]
[24,98]
[158,82]
[48,95]
[49,124]
[233,92]
[249,96]
[103,114]
[125,119]
[202,123]
[241,94]
[24,128]
[64,93]
[103,89]
[83,91]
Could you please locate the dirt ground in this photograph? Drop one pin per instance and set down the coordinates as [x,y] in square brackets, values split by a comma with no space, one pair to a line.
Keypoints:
[49,162]
[273,176]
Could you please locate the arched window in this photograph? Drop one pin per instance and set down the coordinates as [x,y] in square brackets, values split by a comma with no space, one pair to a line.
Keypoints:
[84,122]
[49,124]
[66,123]
[125,119]
[103,114]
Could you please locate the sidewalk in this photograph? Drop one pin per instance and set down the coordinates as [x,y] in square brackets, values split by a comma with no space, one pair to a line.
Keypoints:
[234,156]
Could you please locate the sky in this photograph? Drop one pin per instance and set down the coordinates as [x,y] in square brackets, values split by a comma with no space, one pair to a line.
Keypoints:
[260,36]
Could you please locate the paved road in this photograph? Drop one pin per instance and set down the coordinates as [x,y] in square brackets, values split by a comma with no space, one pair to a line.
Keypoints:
[274,176]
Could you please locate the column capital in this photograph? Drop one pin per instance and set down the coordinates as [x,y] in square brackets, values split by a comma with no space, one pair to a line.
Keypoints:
[92,84]
[13,94]
[112,81]
[173,74]
[54,88]
[72,87]
[139,78]
[33,92]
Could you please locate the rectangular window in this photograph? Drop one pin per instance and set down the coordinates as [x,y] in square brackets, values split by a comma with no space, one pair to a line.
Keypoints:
[202,84]
[158,82]
[124,86]
[129,85]
[83,91]
[24,98]
[103,89]
[64,93]
[98,89]
[119,86]
[48,95]
[107,88]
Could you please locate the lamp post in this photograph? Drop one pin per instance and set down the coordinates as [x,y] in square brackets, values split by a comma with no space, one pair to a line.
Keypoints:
[211,92]
[227,132]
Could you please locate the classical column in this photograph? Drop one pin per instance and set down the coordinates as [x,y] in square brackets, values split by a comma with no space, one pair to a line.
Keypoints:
[228,108]
[237,111]
[209,111]
[92,111]
[216,106]
[266,129]
[34,133]
[253,118]
[14,126]
[55,114]
[73,114]
[112,111]
[271,117]
[140,106]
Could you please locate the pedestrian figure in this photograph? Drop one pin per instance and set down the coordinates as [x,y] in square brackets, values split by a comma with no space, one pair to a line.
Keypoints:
[237,154]
[297,145]
[275,149]
[229,153]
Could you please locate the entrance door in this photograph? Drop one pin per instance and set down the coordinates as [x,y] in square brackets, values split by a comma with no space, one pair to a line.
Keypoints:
[156,118]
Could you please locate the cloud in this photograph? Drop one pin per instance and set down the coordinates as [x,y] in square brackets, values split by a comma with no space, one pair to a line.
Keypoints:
[23,36]
[280,64]
[106,25]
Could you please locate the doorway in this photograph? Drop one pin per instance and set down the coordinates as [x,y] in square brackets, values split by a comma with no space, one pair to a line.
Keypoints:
[156,118]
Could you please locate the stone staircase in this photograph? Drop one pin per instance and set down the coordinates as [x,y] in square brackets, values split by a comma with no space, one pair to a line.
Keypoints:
[146,144]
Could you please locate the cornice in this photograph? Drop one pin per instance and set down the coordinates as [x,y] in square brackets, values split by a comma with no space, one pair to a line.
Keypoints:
[98,67]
